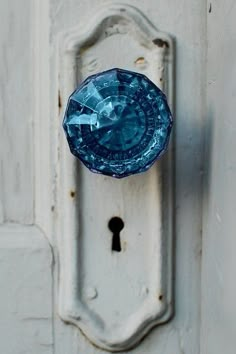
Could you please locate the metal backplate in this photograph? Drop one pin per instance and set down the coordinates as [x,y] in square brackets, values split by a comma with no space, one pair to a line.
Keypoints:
[115,298]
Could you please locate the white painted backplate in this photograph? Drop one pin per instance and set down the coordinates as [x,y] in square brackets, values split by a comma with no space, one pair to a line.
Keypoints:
[115,298]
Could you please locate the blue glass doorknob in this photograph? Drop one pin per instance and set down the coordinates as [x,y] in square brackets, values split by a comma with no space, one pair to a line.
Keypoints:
[117,123]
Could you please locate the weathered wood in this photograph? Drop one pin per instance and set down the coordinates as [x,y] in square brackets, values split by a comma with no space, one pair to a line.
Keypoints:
[31,121]
[219,222]
[16,120]
[26,291]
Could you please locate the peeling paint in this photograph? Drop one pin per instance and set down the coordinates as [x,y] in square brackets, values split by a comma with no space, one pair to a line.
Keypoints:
[140,60]
[160,43]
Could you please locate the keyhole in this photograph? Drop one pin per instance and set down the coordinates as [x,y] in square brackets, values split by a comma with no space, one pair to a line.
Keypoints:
[116,224]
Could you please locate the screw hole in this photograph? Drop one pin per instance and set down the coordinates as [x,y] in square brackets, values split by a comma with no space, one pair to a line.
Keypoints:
[115,225]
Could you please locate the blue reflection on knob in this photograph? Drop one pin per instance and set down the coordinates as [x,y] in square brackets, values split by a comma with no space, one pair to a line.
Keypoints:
[117,123]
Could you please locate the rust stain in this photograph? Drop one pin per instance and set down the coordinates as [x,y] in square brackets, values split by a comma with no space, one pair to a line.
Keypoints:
[72,193]
[59,101]
[160,43]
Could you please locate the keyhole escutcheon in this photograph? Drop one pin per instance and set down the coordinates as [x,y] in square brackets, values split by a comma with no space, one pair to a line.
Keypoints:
[115,225]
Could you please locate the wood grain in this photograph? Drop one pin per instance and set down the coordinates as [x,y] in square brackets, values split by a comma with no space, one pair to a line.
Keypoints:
[16,120]
[219,222]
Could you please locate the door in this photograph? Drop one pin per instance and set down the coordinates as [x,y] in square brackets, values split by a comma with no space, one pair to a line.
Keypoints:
[47,48]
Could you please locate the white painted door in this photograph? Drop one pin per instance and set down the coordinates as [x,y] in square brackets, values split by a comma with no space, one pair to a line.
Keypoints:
[47,47]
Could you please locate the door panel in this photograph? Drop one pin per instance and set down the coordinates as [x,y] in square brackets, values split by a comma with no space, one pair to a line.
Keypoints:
[16,113]
[26,322]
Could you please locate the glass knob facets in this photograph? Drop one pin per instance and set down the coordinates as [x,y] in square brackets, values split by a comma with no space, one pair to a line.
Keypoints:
[117,123]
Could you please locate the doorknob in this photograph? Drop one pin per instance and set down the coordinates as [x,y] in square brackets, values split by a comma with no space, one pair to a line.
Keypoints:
[117,123]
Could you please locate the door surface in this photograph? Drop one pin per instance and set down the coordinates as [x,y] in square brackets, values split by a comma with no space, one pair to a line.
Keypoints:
[41,198]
